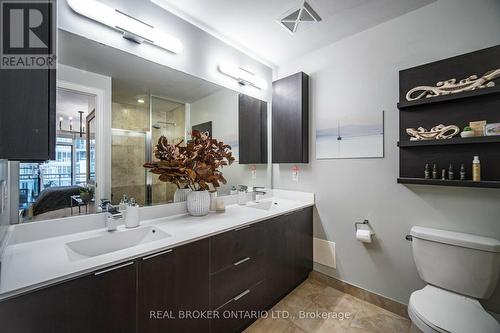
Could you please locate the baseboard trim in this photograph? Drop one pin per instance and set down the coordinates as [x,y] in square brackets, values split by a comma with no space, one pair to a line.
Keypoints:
[368,296]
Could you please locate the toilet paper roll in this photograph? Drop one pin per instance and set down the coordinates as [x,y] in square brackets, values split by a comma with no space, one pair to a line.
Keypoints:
[364,236]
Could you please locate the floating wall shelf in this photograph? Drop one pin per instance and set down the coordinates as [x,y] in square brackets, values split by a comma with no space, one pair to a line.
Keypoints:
[448,98]
[447,142]
[455,109]
[456,183]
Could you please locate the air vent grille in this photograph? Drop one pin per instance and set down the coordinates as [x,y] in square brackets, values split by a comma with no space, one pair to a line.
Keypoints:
[291,21]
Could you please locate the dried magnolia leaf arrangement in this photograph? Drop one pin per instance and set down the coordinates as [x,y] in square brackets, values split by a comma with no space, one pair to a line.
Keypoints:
[195,165]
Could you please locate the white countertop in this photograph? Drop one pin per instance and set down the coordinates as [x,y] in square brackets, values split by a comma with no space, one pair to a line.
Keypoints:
[33,264]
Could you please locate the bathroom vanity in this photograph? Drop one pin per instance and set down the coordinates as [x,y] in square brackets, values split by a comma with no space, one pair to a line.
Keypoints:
[244,260]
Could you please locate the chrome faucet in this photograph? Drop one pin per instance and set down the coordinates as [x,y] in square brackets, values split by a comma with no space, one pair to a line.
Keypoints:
[259,192]
[113,215]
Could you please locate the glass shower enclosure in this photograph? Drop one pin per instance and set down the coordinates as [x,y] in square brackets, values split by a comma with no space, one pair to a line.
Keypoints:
[137,128]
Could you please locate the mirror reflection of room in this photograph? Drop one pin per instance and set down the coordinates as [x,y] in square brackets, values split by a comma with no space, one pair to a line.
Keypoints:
[65,186]
[146,102]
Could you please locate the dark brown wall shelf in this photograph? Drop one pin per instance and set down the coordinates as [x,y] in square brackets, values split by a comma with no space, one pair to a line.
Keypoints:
[453,141]
[456,183]
[454,109]
[449,98]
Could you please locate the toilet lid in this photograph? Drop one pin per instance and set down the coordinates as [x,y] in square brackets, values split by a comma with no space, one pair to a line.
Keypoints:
[450,312]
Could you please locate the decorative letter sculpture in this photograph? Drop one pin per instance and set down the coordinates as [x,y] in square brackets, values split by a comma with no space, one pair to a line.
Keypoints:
[451,87]
[436,133]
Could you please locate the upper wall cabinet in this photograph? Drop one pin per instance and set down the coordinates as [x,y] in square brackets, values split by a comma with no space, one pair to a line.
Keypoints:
[27,114]
[252,130]
[291,119]
[28,94]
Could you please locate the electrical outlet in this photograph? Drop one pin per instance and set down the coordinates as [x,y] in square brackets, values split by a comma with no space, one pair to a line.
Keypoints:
[295,173]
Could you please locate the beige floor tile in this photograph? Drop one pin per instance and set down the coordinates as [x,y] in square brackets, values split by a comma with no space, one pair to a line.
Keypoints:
[344,313]
[269,325]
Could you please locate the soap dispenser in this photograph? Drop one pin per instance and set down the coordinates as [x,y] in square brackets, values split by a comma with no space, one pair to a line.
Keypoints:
[132,214]
[242,195]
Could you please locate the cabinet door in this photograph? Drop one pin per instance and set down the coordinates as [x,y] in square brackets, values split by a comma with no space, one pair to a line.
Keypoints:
[252,132]
[280,262]
[171,283]
[27,115]
[100,303]
[289,252]
[302,244]
[290,138]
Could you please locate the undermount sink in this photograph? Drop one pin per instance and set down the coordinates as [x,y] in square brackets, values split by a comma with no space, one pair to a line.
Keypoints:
[263,205]
[115,241]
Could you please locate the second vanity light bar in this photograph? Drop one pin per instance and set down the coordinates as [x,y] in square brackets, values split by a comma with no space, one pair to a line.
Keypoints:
[132,28]
[243,76]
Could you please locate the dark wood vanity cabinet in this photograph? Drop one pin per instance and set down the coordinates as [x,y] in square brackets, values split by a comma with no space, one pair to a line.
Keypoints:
[171,285]
[252,130]
[290,252]
[290,119]
[102,302]
[245,269]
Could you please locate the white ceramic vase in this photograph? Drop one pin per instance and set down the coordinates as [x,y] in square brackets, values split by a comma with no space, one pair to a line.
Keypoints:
[181,194]
[198,203]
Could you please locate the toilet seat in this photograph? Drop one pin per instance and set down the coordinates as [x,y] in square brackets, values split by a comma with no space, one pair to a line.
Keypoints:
[437,310]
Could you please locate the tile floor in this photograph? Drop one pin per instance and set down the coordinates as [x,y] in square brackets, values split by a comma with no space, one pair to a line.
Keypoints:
[302,311]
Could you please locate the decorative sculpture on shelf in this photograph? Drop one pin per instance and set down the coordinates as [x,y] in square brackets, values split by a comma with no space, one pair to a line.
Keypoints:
[436,133]
[452,87]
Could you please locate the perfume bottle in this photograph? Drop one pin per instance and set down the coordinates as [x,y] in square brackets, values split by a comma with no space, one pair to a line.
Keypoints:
[427,171]
[462,172]
[435,171]
[451,172]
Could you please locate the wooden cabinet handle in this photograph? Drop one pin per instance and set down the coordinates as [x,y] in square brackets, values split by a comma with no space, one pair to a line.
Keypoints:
[157,254]
[241,261]
[240,296]
[113,268]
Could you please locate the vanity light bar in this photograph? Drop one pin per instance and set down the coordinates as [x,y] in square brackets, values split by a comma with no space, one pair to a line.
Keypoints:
[131,28]
[243,76]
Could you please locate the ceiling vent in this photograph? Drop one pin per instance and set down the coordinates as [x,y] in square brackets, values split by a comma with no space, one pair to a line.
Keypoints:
[291,21]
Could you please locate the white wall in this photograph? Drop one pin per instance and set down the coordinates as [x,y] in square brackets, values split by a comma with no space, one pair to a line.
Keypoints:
[222,109]
[200,57]
[84,81]
[360,74]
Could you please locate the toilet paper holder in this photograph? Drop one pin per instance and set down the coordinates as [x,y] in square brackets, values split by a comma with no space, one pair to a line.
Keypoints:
[365,222]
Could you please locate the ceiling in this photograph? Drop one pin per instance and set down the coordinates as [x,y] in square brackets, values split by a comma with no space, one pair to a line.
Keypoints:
[69,103]
[133,77]
[252,25]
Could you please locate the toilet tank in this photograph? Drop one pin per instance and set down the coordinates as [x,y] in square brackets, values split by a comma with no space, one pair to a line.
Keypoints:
[463,263]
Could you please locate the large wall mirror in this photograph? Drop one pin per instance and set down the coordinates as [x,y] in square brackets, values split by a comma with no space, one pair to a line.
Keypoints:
[101,148]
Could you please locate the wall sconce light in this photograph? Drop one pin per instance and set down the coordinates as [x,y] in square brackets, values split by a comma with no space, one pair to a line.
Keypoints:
[70,123]
[131,28]
[60,123]
[243,76]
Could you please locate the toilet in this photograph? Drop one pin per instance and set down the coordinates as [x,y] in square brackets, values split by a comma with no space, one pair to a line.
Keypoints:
[459,270]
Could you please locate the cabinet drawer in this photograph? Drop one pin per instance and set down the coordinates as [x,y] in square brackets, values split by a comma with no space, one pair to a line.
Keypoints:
[237,313]
[232,280]
[235,245]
